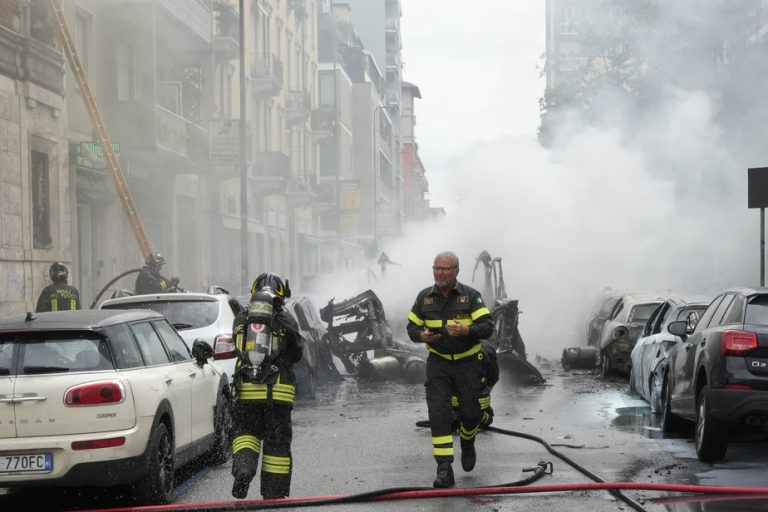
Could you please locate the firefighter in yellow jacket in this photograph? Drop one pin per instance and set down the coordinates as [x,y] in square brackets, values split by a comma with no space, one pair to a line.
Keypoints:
[267,344]
[452,319]
[58,296]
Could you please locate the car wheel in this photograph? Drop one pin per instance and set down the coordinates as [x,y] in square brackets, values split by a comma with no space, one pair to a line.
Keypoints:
[656,385]
[222,426]
[156,486]
[632,388]
[711,435]
[605,366]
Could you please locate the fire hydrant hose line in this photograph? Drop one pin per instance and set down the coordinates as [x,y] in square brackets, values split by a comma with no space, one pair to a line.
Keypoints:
[412,493]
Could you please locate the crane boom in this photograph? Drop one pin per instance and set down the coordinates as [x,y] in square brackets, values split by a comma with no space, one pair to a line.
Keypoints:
[93,111]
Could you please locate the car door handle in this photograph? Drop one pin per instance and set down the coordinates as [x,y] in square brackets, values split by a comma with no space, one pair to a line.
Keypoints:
[29,399]
[192,374]
[168,380]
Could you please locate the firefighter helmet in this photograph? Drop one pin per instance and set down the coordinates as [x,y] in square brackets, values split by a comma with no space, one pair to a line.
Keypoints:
[155,260]
[272,281]
[58,271]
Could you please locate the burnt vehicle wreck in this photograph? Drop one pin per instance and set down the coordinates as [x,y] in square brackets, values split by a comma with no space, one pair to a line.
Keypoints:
[506,338]
[357,327]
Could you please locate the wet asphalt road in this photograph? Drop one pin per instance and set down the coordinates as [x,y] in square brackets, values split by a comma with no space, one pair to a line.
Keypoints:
[357,437]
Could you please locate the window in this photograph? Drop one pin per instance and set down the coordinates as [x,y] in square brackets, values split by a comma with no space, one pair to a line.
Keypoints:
[126,71]
[735,312]
[124,347]
[176,346]
[705,318]
[192,314]
[149,344]
[83,37]
[720,311]
[41,201]
[757,311]
[327,95]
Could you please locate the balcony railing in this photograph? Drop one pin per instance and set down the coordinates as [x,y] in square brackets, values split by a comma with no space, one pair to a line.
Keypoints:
[181,136]
[298,107]
[266,75]
[323,122]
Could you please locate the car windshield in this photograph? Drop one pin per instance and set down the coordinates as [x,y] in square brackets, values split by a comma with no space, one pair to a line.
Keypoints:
[183,314]
[757,311]
[43,352]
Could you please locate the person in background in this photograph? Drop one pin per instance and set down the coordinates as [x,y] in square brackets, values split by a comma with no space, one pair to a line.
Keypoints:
[58,296]
[452,319]
[149,279]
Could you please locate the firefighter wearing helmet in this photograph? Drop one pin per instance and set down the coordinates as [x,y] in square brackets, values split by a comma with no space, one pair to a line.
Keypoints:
[267,345]
[149,279]
[58,296]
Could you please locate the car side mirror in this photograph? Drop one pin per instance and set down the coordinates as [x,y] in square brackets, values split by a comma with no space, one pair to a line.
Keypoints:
[679,328]
[201,351]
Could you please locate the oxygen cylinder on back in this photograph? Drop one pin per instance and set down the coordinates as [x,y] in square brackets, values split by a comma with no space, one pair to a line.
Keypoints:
[258,339]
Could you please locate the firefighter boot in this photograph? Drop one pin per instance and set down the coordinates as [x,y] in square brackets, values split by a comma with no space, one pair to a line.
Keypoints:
[444,476]
[240,487]
[468,456]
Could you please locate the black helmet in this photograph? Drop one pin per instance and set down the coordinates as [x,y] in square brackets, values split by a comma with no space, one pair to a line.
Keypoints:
[155,260]
[272,281]
[58,272]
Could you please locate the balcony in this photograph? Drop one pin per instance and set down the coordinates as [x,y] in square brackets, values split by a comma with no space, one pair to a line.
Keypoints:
[180,136]
[323,123]
[26,59]
[195,15]
[226,30]
[266,75]
[298,107]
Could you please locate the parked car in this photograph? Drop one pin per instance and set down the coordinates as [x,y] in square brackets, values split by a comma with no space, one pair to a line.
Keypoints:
[208,316]
[106,398]
[718,376]
[595,325]
[621,330]
[316,364]
[649,357]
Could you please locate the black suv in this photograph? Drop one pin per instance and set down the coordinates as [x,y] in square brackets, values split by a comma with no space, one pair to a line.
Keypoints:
[718,374]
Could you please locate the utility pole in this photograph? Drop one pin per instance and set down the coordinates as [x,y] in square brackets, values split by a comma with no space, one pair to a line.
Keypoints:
[243,160]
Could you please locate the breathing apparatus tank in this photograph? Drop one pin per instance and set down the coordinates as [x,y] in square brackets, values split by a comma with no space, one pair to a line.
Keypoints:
[258,339]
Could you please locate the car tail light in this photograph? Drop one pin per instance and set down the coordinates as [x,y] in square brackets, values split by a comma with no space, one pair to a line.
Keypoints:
[98,443]
[737,386]
[95,393]
[737,343]
[223,347]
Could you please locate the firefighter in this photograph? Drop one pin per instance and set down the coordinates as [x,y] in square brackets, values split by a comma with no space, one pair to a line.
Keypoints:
[451,318]
[149,279]
[268,344]
[58,296]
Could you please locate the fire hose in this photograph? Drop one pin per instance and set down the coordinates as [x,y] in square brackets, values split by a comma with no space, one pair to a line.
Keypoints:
[519,487]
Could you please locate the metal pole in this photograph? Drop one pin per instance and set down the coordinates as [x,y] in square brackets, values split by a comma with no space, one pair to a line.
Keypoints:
[762,247]
[243,161]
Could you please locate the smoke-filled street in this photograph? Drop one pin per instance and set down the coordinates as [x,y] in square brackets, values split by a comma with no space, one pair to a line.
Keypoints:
[358,437]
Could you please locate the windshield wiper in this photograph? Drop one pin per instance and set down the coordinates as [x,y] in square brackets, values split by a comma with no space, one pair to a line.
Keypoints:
[181,325]
[45,369]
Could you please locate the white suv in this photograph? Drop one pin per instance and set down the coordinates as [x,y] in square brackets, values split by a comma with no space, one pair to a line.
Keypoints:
[208,316]
[103,398]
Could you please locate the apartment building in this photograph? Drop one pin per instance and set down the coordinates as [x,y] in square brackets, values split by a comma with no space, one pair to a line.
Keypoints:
[35,209]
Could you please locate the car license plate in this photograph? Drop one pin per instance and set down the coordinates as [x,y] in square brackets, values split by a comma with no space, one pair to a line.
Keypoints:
[29,463]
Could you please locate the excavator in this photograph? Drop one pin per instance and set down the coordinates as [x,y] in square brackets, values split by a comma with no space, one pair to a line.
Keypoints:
[506,338]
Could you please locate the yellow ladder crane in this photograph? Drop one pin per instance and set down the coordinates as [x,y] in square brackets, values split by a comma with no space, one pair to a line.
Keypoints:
[101,131]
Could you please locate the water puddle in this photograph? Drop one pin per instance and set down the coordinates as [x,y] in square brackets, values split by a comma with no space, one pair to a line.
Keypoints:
[642,421]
